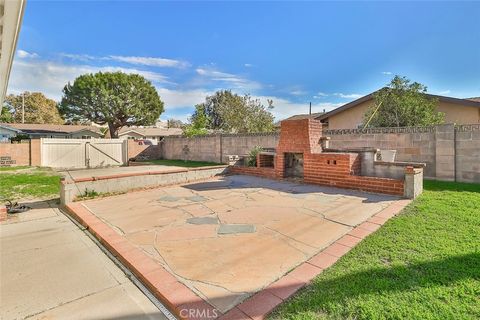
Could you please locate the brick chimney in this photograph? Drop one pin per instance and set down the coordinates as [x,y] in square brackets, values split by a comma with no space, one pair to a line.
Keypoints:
[297,136]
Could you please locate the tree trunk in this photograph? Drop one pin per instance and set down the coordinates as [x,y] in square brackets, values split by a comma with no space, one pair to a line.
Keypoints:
[113,130]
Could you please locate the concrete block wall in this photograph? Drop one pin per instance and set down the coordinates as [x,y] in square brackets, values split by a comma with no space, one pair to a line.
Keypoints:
[26,153]
[412,144]
[138,150]
[216,148]
[467,153]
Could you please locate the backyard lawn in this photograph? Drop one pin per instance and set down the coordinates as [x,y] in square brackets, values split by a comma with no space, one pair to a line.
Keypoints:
[423,264]
[183,163]
[24,183]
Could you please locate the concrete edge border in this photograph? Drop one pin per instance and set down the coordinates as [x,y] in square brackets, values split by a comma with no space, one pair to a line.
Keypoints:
[262,303]
[177,297]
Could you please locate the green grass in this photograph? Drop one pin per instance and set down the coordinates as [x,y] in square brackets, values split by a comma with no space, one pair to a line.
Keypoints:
[34,183]
[182,163]
[13,168]
[423,264]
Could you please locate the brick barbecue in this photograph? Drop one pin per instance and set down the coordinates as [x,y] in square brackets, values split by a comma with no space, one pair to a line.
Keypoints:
[300,155]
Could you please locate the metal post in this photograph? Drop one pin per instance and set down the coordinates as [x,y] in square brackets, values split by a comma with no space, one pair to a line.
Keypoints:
[23,107]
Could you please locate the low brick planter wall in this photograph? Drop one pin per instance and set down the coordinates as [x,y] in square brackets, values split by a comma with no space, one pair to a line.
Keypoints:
[253,171]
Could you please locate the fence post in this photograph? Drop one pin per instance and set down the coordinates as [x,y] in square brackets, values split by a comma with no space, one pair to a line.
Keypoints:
[445,152]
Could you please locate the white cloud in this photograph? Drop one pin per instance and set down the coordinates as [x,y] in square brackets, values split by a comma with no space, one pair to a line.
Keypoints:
[78,57]
[444,92]
[22,54]
[50,77]
[284,108]
[348,95]
[388,73]
[135,60]
[320,95]
[232,81]
[248,65]
[150,61]
[175,99]
[298,92]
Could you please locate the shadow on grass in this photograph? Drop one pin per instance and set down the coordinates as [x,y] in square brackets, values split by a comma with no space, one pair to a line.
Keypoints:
[383,280]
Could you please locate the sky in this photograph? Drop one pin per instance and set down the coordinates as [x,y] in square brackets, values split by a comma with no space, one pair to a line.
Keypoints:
[326,53]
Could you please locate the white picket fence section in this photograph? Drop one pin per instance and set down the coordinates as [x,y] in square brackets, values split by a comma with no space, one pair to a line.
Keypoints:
[83,153]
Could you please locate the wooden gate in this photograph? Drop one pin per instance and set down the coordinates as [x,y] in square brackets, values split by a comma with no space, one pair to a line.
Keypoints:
[83,153]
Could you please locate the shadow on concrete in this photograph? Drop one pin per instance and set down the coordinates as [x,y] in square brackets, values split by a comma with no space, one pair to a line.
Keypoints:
[294,188]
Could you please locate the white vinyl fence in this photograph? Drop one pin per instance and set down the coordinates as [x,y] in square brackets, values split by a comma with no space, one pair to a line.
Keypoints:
[83,153]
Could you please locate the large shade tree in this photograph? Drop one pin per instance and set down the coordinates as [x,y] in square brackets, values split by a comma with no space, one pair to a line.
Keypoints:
[113,98]
[228,112]
[403,104]
[32,107]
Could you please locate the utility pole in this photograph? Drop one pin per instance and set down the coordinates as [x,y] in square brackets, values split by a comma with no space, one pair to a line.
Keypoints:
[23,107]
[310,111]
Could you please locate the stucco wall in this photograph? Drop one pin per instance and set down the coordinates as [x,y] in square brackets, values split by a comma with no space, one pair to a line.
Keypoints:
[454,113]
[350,118]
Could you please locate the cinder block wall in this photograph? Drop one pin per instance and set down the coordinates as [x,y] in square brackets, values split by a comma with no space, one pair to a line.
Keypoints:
[150,152]
[467,150]
[26,153]
[412,144]
[215,148]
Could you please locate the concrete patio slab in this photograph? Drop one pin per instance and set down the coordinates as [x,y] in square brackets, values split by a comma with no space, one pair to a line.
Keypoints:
[290,224]
[51,270]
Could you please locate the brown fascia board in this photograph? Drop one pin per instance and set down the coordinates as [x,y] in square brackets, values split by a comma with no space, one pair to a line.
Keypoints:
[354,103]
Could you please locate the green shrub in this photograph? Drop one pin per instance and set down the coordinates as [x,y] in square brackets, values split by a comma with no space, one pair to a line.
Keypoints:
[252,156]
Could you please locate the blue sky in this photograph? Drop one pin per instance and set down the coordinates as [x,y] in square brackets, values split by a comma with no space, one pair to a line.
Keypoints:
[293,52]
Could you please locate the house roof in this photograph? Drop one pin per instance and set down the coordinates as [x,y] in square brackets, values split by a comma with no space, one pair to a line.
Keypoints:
[11,14]
[34,128]
[473,102]
[305,116]
[151,132]
[5,126]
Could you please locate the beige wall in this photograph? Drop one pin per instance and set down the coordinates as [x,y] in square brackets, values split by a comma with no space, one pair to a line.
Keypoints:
[454,113]
[350,118]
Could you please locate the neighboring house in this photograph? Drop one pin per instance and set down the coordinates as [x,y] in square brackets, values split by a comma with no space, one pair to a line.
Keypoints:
[350,115]
[35,131]
[149,133]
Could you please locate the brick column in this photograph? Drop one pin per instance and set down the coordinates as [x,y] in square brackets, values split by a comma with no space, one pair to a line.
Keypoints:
[413,185]
[445,152]
[3,213]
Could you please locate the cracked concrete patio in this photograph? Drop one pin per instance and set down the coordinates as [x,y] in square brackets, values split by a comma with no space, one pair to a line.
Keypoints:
[229,237]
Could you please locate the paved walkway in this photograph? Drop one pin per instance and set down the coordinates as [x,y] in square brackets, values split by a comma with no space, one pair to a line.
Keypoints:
[230,237]
[51,270]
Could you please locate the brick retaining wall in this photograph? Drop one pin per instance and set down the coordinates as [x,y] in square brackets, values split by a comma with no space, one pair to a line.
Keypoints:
[253,171]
